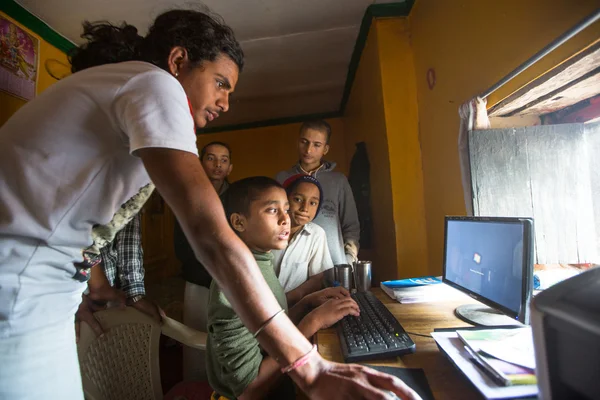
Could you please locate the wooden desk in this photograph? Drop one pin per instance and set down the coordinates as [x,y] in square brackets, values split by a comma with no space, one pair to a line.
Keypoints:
[445,380]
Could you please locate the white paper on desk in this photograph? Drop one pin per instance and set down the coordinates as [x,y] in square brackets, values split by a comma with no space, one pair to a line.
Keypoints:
[517,349]
[455,349]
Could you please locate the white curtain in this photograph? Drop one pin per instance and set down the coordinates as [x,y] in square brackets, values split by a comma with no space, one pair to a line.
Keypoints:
[473,115]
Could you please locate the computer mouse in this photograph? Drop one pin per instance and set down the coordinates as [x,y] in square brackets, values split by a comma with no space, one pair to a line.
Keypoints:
[392,396]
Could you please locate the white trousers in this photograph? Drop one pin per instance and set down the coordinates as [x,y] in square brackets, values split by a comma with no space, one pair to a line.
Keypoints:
[41,365]
[195,315]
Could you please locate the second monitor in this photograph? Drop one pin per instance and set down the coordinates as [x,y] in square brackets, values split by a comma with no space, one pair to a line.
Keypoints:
[491,260]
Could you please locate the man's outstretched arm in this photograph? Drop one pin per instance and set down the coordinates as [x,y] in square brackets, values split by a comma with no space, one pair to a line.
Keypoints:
[182,182]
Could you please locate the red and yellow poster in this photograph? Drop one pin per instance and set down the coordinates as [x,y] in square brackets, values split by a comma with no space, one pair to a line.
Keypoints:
[18,60]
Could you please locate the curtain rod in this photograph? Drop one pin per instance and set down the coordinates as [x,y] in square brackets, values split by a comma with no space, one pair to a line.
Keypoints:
[542,53]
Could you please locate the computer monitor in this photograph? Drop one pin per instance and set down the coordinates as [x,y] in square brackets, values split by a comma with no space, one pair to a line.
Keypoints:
[565,320]
[491,260]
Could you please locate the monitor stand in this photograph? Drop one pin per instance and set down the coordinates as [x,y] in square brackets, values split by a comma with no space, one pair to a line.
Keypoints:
[478,314]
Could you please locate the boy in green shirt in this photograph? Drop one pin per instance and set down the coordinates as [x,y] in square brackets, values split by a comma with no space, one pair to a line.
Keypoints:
[257,210]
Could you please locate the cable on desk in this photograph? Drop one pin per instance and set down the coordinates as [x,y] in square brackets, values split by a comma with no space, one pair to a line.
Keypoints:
[420,334]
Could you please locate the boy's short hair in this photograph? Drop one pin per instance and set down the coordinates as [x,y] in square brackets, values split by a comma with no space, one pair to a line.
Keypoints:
[317,125]
[203,151]
[240,194]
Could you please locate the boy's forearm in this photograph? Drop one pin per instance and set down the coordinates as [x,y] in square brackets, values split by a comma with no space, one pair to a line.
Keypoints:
[268,374]
[307,327]
[97,279]
[294,296]
[298,311]
[313,284]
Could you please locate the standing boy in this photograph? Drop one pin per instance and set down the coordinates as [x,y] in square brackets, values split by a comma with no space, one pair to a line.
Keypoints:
[338,216]
[123,265]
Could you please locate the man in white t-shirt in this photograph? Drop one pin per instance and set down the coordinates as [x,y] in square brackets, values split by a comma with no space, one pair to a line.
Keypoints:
[104,116]
[71,157]
[68,160]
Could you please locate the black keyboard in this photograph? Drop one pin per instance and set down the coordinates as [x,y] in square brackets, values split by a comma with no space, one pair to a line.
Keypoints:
[375,334]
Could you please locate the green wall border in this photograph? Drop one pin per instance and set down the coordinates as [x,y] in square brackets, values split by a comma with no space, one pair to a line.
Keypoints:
[33,23]
[373,11]
[402,9]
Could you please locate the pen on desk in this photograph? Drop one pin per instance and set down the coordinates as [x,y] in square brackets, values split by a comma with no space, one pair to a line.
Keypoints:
[496,377]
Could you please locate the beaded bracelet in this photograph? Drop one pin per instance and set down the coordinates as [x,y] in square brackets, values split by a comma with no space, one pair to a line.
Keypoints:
[267,322]
[299,362]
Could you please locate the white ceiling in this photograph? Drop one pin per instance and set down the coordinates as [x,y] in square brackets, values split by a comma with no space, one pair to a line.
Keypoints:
[297,51]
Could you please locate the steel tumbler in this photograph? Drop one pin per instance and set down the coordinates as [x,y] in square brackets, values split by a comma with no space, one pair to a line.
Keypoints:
[362,275]
[343,275]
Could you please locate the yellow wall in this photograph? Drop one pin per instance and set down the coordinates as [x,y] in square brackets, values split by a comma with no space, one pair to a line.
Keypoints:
[266,151]
[364,120]
[402,125]
[472,44]
[382,111]
[10,104]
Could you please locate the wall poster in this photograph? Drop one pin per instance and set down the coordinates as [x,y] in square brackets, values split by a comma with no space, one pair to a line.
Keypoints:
[19,53]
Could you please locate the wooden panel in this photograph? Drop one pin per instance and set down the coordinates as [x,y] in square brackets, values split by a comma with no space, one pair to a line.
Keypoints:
[558,77]
[157,240]
[515,121]
[566,96]
[492,176]
[585,111]
[592,133]
[541,172]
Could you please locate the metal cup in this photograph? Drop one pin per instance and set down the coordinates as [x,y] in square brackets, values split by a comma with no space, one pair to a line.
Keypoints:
[343,275]
[362,275]
[329,277]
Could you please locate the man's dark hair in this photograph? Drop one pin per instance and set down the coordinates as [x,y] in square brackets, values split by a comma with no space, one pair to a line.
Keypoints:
[240,194]
[203,151]
[318,125]
[204,36]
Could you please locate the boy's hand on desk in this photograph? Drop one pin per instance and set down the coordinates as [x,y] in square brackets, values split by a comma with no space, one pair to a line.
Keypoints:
[328,314]
[351,381]
[322,296]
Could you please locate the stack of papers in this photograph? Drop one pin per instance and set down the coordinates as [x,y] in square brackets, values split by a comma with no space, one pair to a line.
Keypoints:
[481,375]
[507,354]
[417,290]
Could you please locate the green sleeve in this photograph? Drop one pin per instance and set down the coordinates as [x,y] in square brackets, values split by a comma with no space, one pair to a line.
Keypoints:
[234,355]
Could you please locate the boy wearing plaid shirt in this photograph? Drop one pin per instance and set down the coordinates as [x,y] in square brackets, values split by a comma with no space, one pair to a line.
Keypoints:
[123,266]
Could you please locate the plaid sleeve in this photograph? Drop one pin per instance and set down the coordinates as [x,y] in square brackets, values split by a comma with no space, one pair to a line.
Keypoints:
[110,258]
[130,263]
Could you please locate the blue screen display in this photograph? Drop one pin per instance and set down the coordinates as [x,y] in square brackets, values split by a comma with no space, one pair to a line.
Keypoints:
[486,258]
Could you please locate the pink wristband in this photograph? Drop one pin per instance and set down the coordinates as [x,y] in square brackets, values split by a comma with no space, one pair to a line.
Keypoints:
[299,362]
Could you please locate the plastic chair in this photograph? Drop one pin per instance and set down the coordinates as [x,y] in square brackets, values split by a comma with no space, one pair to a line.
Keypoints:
[123,362]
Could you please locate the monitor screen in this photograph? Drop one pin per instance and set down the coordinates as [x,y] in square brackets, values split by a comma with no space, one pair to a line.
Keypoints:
[490,258]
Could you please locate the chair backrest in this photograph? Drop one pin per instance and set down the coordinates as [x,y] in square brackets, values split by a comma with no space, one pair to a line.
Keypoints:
[123,362]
